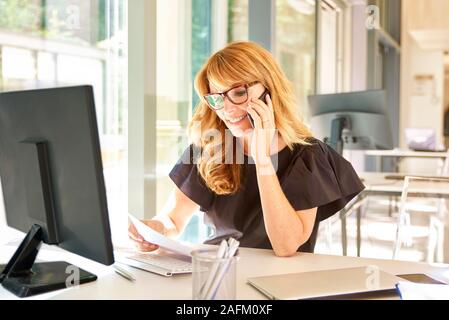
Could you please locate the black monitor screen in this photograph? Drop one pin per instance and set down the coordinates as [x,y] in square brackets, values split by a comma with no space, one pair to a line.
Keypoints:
[51,169]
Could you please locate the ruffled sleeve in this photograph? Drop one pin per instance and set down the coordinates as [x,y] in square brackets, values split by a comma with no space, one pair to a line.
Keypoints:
[187,178]
[319,177]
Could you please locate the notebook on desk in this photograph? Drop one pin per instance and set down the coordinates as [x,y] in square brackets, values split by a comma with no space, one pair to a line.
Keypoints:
[325,283]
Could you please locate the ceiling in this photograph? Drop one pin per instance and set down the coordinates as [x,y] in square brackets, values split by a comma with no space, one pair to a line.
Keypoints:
[432,39]
[428,24]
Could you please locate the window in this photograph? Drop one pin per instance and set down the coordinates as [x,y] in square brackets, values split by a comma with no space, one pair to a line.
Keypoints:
[190,28]
[331,44]
[238,20]
[295,46]
[70,42]
[187,25]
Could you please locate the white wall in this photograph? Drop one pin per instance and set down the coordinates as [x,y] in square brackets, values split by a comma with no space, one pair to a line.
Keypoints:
[359,54]
[422,105]
[426,106]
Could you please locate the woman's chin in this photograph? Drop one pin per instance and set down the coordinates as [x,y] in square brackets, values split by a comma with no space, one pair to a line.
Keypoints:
[241,129]
[240,132]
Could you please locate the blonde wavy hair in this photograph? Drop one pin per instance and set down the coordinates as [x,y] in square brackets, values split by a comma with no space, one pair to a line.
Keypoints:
[240,62]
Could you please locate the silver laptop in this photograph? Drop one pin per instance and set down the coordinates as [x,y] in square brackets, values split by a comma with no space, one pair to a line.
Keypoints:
[325,283]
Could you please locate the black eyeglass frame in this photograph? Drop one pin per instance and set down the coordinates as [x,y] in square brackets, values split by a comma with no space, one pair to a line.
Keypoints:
[225,94]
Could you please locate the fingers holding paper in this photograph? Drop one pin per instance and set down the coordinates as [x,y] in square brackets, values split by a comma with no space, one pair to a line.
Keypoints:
[139,241]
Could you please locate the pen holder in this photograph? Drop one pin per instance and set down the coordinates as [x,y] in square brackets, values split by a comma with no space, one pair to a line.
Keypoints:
[213,278]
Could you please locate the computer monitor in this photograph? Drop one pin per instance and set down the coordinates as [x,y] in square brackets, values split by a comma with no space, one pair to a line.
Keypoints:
[53,185]
[353,120]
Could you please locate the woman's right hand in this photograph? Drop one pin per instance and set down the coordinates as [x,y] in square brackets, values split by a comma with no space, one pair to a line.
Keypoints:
[138,240]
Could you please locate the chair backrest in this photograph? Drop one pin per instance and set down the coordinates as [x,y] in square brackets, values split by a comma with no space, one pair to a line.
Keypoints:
[427,188]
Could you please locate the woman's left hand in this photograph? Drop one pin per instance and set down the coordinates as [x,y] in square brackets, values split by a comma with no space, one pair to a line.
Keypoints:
[264,130]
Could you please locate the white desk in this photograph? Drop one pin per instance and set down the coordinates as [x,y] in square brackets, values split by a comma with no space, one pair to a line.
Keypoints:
[404,153]
[400,154]
[376,183]
[253,262]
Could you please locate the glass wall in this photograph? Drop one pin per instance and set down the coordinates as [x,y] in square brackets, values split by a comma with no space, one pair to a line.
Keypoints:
[187,25]
[295,46]
[238,20]
[71,42]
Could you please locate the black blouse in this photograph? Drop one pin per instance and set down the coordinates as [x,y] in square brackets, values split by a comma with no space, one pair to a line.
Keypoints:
[310,176]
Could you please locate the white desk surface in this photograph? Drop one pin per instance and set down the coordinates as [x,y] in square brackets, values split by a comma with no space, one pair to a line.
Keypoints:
[405,153]
[253,262]
[376,182]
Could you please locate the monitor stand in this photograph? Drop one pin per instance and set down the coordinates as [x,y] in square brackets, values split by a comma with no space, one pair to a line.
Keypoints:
[337,127]
[24,278]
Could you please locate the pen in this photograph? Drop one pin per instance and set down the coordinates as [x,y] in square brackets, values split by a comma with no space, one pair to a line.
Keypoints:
[125,274]
[233,246]
[220,254]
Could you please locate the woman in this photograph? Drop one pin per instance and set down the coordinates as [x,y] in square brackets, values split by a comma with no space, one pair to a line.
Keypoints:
[273,193]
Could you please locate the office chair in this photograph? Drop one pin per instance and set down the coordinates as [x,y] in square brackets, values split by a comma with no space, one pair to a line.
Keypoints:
[423,187]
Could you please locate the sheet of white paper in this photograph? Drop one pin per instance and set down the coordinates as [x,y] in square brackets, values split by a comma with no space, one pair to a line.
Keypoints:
[420,291]
[155,237]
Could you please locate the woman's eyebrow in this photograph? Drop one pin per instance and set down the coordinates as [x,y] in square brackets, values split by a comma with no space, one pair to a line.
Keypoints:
[213,89]
[233,86]
[237,84]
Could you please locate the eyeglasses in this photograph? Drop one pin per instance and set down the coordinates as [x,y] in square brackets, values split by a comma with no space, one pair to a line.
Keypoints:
[237,95]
